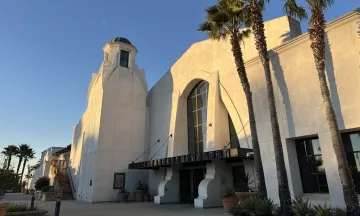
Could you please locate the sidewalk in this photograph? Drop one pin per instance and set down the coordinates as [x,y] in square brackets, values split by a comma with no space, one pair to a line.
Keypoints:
[72,208]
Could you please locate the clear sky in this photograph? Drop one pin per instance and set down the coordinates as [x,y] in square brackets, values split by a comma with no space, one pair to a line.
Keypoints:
[48,50]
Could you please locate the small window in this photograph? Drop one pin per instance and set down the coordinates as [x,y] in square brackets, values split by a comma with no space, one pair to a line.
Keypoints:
[312,171]
[124,58]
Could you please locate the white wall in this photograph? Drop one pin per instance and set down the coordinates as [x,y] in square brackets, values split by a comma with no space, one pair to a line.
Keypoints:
[213,62]
[44,168]
[298,99]
[112,131]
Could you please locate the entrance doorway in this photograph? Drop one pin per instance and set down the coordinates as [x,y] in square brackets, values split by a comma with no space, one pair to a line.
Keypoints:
[189,183]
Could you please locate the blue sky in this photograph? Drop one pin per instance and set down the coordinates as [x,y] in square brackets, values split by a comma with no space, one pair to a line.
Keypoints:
[48,50]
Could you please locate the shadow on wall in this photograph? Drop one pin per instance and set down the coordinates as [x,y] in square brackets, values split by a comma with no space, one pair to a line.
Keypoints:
[279,76]
[83,172]
[286,36]
[159,102]
[75,148]
[244,139]
[334,94]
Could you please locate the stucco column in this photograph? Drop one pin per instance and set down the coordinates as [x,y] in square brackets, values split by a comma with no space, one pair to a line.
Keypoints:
[218,174]
[168,190]
[331,169]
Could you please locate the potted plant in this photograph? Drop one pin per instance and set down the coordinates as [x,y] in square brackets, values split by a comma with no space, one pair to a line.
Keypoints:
[48,193]
[247,182]
[39,184]
[124,195]
[228,198]
[3,208]
[139,193]
[145,189]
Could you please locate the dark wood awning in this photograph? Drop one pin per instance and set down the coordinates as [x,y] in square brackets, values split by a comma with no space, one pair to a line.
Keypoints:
[241,153]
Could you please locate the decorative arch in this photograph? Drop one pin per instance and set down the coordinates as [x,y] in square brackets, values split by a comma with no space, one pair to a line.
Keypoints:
[188,82]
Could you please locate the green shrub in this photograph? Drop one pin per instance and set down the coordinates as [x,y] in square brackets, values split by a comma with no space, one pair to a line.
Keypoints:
[139,185]
[340,212]
[48,189]
[238,211]
[261,207]
[21,207]
[266,207]
[324,210]
[42,182]
[228,192]
[249,205]
[300,207]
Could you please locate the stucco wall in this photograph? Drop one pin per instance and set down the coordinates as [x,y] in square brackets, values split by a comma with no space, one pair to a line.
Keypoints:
[299,103]
[44,168]
[298,99]
[211,61]
[112,131]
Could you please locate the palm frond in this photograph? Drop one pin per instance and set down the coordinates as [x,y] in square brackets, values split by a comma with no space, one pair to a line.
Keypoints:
[323,4]
[243,34]
[225,18]
[292,9]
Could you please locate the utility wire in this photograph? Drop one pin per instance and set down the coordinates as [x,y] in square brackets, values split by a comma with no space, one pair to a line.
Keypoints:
[237,134]
[210,125]
[147,150]
[161,146]
[235,109]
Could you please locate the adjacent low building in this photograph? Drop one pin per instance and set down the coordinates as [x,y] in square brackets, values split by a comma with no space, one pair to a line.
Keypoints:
[43,166]
[188,136]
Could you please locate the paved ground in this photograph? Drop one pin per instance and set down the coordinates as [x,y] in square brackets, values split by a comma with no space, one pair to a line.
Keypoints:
[72,208]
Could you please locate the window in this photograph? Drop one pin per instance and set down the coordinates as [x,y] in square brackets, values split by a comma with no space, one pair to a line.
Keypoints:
[124,58]
[197,117]
[311,166]
[351,143]
[234,142]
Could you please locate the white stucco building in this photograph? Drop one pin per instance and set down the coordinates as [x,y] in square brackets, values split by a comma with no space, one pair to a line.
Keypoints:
[43,168]
[189,134]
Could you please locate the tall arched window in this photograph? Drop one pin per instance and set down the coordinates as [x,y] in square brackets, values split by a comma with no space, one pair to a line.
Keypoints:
[197,114]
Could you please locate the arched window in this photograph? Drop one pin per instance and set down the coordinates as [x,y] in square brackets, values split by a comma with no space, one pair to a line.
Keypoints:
[197,117]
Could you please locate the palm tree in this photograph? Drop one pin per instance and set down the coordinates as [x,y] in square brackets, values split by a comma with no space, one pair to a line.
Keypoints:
[257,25]
[225,20]
[10,151]
[317,37]
[23,148]
[30,154]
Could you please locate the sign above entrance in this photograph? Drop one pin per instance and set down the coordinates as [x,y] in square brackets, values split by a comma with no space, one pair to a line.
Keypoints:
[193,158]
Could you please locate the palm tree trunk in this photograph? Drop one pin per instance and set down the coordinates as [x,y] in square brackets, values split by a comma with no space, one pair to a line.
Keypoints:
[261,46]
[240,66]
[9,161]
[23,169]
[317,37]
[18,167]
